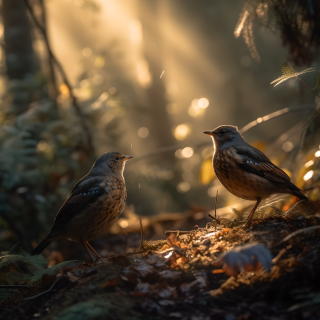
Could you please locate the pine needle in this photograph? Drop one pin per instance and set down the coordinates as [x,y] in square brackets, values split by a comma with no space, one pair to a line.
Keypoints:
[288,72]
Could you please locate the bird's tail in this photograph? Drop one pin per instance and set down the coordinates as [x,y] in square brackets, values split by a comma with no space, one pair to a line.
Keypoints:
[42,245]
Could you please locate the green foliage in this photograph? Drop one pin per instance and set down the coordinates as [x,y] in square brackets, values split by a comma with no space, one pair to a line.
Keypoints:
[288,72]
[41,158]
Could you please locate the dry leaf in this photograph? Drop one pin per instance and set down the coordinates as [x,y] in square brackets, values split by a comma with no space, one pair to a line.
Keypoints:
[248,257]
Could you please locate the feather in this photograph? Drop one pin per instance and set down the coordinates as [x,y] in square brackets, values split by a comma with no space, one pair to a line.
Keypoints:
[252,160]
[84,193]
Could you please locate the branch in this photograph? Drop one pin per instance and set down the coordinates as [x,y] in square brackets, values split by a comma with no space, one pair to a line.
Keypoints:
[64,77]
[308,86]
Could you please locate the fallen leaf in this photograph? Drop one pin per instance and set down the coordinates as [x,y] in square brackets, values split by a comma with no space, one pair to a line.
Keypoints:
[161,289]
[199,284]
[248,257]
[110,283]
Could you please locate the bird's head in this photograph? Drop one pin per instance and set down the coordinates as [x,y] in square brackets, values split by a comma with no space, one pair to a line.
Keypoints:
[109,160]
[225,136]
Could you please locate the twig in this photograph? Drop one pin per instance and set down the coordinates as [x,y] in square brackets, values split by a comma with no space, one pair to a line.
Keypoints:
[142,236]
[307,86]
[214,218]
[215,205]
[304,230]
[247,127]
[42,293]
[177,231]
[13,286]
[279,255]
[64,76]
[51,62]
[215,208]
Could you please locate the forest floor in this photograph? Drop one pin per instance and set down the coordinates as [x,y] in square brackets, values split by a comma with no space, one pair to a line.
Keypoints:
[221,271]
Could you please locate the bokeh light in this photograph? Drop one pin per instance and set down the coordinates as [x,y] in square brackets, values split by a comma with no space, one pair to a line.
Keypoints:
[187,152]
[287,146]
[99,61]
[143,132]
[183,187]
[308,175]
[317,154]
[181,131]
[86,52]
[178,154]
[143,74]
[212,191]
[309,164]
[112,90]
[42,145]
[123,223]
[195,111]
[135,31]
[203,103]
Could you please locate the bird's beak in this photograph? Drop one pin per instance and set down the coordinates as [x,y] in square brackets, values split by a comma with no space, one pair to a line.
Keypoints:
[126,158]
[209,132]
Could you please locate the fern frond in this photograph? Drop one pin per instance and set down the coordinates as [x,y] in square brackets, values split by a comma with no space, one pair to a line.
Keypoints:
[288,72]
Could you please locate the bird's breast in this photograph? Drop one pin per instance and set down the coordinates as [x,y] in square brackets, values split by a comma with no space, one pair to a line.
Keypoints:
[232,177]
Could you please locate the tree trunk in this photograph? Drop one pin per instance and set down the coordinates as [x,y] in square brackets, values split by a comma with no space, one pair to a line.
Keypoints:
[21,60]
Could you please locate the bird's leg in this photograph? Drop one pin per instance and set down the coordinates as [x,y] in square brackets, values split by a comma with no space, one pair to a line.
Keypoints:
[85,245]
[252,213]
[93,251]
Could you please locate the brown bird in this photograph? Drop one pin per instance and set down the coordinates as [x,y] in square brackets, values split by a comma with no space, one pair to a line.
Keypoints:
[245,171]
[94,205]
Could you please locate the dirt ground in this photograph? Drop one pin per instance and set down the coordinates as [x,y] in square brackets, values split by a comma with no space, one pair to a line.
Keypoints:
[221,271]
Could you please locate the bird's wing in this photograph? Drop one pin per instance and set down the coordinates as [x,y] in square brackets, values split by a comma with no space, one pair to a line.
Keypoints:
[252,160]
[85,192]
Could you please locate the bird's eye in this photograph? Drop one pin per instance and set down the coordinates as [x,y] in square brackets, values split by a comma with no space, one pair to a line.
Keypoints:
[223,131]
[117,158]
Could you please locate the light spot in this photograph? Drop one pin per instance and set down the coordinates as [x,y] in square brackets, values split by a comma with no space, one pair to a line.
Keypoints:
[203,103]
[309,163]
[308,175]
[123,223]
[183,187]
[187,152]
[317,154]
[97,79]
[112,90]
[168,255]
[42,145]
[212,192]
[287,146]
[178,154]
[143,132]
[135,31]
[86,52]
[181,131]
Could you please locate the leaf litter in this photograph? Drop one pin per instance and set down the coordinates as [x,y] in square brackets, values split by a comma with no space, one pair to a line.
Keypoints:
[218,271]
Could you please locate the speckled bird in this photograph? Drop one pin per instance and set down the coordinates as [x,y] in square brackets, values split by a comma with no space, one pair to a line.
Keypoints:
[94,205]
[245,171]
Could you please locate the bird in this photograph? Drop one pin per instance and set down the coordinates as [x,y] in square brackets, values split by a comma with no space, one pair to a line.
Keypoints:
[93,206]
[246,171]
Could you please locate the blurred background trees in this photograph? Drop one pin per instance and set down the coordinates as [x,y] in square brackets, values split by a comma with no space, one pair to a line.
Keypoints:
[82,77]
